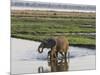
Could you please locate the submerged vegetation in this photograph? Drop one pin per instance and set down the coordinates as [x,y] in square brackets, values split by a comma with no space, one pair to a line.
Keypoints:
[78,27]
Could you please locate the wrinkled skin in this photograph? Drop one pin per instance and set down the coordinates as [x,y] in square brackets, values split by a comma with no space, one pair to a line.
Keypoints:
[59,44]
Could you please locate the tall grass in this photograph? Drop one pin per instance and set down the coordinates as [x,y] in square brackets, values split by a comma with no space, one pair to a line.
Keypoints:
[39,25]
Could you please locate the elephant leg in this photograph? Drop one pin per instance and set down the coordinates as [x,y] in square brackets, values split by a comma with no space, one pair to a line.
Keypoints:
[56,54]
[65,54]
[52,54]
[68,56]
[49,54]
[62,54]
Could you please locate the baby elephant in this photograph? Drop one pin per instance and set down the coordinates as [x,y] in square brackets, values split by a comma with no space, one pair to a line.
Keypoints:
[59,44]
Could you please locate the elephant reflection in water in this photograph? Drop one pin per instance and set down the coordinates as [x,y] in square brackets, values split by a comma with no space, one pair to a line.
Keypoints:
[57,45]
[40,69]
[58,66]
[55,66]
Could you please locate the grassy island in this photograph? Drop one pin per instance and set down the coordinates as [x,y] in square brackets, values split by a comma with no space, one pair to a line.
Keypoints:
[78,27]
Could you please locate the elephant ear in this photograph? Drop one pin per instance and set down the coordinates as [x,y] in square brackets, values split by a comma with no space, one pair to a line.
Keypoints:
[51,43]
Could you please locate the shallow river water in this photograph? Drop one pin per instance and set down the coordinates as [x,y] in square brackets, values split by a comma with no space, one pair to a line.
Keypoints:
[26,59]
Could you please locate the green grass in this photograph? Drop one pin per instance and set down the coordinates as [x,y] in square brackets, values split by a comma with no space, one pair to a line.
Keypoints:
[34,26]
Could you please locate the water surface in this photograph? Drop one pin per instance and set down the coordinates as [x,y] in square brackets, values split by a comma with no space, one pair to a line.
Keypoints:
[26,59]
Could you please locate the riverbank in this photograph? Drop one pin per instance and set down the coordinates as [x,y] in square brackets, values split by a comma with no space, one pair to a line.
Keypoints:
[78,27]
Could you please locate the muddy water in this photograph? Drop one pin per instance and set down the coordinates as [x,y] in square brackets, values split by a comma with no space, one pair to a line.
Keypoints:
[26,59]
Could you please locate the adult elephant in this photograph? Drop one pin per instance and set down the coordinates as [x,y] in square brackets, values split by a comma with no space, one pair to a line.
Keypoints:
[59,44]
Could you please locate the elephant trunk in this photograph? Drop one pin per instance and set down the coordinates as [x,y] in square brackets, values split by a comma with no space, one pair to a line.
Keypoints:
[40,50]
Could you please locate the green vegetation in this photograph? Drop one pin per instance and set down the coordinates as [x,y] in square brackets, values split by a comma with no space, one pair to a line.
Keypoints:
[39,25]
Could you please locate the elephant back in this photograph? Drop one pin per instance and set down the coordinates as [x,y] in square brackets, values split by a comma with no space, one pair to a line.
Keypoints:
[62,43]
